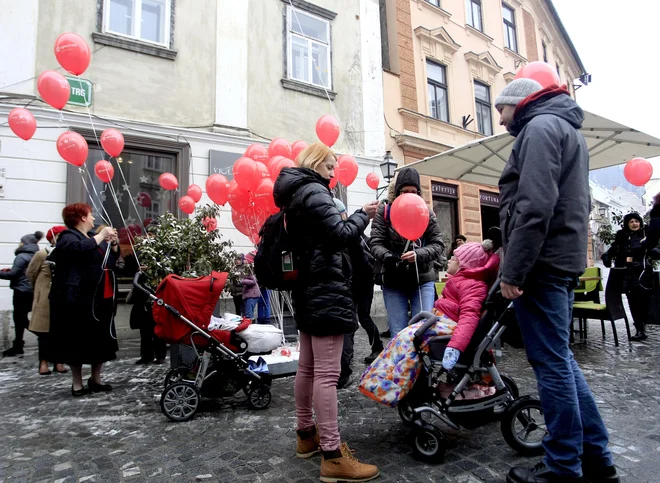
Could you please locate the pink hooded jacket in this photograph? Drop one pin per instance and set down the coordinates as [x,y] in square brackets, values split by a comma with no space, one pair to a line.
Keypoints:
[463,298]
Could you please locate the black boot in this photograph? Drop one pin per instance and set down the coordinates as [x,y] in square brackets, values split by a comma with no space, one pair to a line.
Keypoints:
[599,473]
[639,336]
[372,357]
[539,474]
[13,352]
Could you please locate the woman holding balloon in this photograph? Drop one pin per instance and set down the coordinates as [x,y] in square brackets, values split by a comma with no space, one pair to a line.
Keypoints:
[406,240]
[323,304]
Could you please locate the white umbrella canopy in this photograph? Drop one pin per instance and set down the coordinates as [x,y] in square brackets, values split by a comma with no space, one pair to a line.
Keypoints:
[483,160]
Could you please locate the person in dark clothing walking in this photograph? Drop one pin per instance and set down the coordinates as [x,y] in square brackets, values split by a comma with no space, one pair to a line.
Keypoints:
[23,292]
[629,252]
[362,264]
[544,217]
[236,287]
[152,349]
[323,305]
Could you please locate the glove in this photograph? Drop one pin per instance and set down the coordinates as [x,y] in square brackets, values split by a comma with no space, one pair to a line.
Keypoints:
[450,358]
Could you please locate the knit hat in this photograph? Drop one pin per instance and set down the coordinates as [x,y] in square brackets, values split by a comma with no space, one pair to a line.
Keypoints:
[54,231]
[473,254]
[32,238]
[407,177]
[516,91]
[340,205]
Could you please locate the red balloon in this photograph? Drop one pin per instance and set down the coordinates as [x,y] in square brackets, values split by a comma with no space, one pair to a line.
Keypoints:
[73,148]
[238,198]
[410,216]
[257,152]
[54,88]
[280,165]
[247,225]
[104,171]
[263,171]
[263,196]
[22,123]
[72,52]
[112,141]
[210,224]
[272,164]
[327,129]
[333,183]
[217,187]
[246,173]
[279,147]
[297,148]
[543,73]
[373,181]
[195,192]
[144,199]
[168,181]
[347,169]
[187,205]
[638,171]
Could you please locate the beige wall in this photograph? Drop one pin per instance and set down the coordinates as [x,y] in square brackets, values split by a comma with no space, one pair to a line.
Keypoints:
[125,82]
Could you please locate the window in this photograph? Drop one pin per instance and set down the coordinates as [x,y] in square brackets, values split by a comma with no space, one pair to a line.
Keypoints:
[436,78]
[308,48]
[434,2]
[509,17]
[545,52]
[558,72]
[473,10]
[482,100]
[146,20]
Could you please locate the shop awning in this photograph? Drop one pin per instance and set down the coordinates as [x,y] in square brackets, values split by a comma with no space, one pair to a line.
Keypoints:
[482,161]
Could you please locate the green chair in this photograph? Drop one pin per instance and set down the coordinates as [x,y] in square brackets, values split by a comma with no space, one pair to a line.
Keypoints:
[439,287]
[589,290]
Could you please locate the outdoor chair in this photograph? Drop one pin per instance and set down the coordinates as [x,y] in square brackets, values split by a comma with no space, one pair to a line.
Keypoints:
[611,310]
[591,284]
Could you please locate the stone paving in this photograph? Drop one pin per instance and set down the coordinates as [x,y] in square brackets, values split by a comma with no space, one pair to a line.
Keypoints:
[46,435]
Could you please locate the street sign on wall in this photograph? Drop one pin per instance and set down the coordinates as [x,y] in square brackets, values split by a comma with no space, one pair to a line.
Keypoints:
[81,92]
[222,162]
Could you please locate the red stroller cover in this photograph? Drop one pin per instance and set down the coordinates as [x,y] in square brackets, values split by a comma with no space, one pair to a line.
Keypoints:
[194,298]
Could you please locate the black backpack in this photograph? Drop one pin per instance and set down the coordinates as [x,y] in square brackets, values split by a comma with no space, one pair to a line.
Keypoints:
[276,264]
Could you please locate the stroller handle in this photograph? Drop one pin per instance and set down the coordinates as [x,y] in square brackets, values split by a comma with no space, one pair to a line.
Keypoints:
[419,333]
[143,288]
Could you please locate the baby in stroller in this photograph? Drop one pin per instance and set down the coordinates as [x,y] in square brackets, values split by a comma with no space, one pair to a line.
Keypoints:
[392,375]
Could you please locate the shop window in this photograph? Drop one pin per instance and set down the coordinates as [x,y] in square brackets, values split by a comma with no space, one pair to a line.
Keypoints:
[445,207]
[490,211]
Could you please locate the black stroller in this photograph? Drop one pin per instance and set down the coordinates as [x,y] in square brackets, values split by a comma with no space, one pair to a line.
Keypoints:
[522,422]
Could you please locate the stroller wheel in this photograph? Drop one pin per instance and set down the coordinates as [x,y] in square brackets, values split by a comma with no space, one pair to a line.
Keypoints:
[523,426]
[429,444]
[406,412]
[259,396]
[511,386]
[177,374]
[180,401]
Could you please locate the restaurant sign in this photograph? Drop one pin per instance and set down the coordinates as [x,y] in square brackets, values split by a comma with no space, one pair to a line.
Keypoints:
[489,199]
[444,190]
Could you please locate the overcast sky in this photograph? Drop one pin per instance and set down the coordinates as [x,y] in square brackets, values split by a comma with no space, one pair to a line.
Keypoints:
[618,42]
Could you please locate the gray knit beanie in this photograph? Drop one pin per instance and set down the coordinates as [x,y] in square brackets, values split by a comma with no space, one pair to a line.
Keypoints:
[516,91]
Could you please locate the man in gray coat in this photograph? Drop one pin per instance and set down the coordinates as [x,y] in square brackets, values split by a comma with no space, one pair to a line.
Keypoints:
[544,216]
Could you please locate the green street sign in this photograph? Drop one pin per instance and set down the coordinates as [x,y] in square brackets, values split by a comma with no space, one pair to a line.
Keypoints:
[81,92]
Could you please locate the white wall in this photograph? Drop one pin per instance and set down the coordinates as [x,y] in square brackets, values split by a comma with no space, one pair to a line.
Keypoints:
[18,45]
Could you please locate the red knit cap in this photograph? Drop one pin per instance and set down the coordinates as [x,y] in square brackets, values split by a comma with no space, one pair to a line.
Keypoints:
[54,231]
[473,255]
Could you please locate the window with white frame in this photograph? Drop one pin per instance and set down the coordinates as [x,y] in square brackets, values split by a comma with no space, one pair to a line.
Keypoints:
[434,2]
[473,12]
[482,101]
[145,20]
[308,48]
[436,80]
[509,19]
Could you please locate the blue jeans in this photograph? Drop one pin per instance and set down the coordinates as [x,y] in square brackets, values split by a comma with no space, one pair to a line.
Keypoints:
[575,427]
[250,305]
[264,307]
[397,302]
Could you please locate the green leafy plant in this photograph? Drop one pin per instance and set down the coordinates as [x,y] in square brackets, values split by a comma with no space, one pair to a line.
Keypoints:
[184,247]
[606,233]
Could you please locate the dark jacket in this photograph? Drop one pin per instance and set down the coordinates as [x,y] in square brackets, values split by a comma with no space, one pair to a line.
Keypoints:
[627,244]
[387,246]
[653,232]
[78,274]
[16,275]
[362,263]
[544,189]
[323,303]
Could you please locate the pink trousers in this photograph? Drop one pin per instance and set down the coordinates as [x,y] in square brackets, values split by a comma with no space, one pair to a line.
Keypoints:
[316,386]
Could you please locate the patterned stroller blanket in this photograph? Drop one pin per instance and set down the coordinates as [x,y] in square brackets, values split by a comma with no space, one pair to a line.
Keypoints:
[394,372]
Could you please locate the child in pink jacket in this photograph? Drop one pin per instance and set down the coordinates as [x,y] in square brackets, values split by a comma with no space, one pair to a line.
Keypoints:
[472,268]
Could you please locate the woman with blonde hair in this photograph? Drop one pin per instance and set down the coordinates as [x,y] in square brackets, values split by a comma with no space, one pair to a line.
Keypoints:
[323,304]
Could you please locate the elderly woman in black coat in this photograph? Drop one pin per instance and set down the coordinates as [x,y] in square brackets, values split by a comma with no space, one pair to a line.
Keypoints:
[82,298]
[323,303]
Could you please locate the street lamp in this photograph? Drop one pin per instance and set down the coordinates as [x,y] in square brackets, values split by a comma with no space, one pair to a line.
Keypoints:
[388,166]
[602,211]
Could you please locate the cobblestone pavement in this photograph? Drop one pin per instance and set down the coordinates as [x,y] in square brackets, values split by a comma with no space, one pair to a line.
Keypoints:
[46,435]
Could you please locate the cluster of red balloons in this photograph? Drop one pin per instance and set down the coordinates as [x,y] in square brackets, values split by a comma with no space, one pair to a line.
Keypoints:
[73,54]
[638,171]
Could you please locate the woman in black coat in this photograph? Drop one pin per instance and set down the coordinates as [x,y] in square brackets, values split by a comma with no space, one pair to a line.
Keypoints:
[82,297]
[628,251]
[323,302]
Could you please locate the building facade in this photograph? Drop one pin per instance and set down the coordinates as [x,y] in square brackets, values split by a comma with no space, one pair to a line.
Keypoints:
[190,84]
[444,63]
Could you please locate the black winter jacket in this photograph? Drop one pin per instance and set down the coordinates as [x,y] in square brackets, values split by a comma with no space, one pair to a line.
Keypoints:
[323,302]
[362,264]
[544,189]
[653,232]
[18,280]
[388,246]
[627,244]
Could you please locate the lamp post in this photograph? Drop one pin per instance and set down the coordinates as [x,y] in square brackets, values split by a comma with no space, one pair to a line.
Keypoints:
[387,168]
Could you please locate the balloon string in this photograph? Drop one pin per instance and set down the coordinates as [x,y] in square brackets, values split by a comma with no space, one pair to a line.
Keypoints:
[101,211]
[129,193]
[419,288]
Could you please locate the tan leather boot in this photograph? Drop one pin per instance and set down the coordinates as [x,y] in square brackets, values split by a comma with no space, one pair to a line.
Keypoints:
[341,465]
[308,443]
